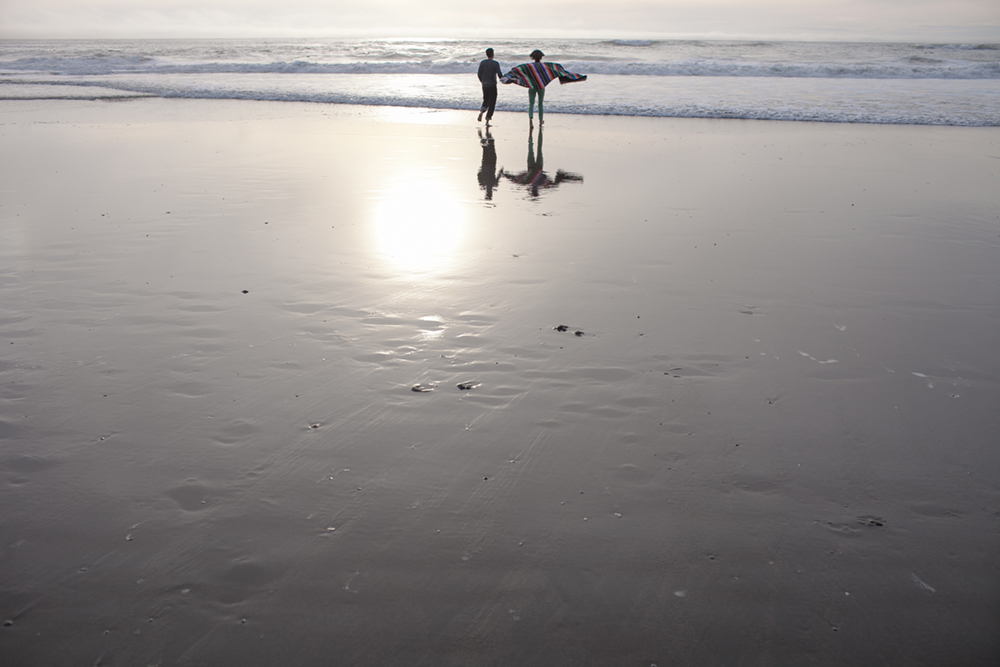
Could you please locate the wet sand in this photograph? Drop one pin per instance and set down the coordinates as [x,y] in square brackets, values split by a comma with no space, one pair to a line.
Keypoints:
[772,442]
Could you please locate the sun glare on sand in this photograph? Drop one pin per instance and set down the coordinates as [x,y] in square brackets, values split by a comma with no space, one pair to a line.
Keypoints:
[418,226]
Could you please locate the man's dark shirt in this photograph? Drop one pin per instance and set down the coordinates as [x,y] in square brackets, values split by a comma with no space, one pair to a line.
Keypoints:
[489,72]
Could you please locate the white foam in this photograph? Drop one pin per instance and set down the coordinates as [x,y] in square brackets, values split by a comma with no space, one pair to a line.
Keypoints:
[921,584]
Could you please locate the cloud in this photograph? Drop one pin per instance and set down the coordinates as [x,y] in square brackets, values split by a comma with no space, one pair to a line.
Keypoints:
[767,19]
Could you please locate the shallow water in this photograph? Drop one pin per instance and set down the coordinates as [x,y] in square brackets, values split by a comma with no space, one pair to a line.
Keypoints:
[771,441]
[922,84]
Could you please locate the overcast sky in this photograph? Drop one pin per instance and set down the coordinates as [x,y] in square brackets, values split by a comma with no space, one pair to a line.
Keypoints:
[887,20]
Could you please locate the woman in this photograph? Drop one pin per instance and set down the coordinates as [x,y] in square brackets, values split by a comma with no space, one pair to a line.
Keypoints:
[535,76]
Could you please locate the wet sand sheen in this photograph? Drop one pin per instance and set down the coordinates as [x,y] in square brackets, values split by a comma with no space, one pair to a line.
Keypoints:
[771,442]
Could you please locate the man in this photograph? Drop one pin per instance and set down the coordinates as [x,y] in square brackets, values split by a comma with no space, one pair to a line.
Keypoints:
[489,72]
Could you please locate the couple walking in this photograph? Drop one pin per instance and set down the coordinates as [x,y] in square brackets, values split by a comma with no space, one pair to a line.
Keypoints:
[534,76]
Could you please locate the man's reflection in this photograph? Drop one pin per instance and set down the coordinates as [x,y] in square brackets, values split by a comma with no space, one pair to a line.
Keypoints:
[534,178]
[489,177]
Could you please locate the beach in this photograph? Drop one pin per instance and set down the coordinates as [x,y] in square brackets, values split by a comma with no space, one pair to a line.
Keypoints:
[287,383]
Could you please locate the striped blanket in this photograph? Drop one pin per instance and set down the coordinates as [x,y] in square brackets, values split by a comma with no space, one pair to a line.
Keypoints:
[539,75]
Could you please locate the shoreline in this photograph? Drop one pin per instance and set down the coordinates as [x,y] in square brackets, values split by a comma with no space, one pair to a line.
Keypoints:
[689,96]
[115,95]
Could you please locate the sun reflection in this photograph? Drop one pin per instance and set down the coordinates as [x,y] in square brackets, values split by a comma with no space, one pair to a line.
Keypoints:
[433,328]
[418,225]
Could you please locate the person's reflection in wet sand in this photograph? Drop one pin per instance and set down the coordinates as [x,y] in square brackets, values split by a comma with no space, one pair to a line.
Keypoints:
[534,177]
[489,177]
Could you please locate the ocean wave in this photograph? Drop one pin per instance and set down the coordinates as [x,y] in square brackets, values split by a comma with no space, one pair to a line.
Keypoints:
[961,47]
[632,42]
[909,68]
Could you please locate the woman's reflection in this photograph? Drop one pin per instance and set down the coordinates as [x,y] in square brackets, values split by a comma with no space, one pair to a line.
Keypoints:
[489,177]
[534,178]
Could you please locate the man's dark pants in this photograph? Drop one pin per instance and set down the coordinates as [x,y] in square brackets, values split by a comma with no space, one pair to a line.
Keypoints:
[489,100]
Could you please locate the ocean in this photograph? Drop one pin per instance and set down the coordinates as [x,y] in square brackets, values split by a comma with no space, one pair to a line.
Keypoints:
[897,83]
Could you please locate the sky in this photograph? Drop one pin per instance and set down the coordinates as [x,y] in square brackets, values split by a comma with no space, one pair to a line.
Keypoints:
[965,21]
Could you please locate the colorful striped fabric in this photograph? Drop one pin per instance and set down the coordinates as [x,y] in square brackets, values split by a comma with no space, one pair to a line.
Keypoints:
[539,75]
